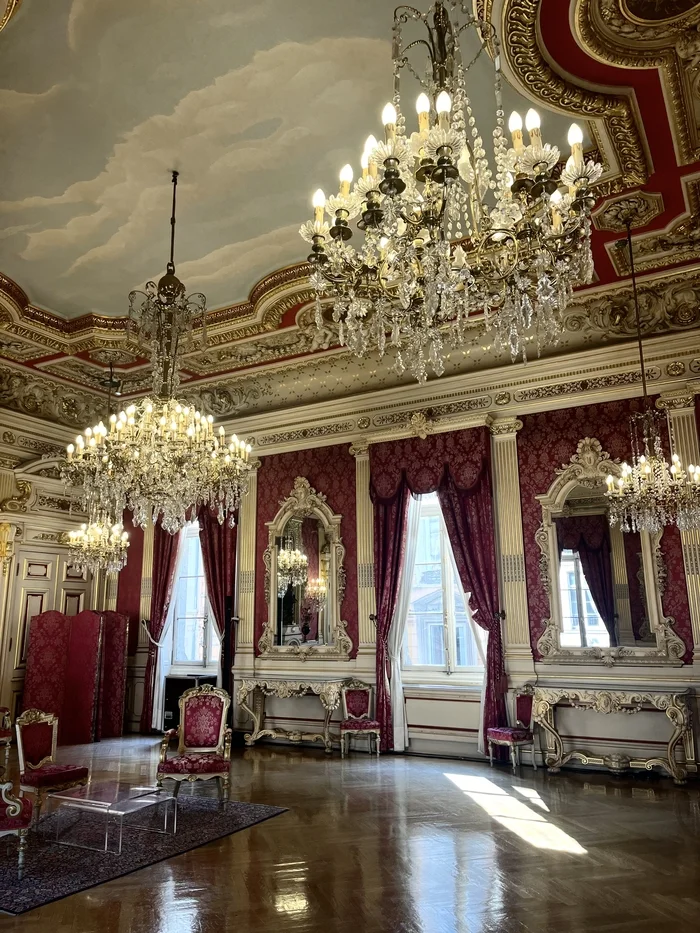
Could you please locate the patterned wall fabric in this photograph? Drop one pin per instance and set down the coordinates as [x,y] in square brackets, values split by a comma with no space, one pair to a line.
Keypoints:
[546,441]
[330,470]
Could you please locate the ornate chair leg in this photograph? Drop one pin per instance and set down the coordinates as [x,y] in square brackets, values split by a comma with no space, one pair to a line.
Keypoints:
[176,790]
[491,754]
[7,756]
[377,743]
[342,745]
[514,757]
[226,787]
[22,849]
[534,757]
[38,806]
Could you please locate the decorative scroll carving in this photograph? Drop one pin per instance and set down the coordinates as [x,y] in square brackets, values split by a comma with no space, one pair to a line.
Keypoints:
[17,502]
[640,208]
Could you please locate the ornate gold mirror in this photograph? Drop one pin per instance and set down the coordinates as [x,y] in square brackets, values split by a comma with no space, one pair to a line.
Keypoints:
[305,579]
[605,588]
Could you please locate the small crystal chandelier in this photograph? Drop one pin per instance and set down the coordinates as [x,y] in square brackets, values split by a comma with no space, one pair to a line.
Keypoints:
[650,493]
[292,567]
[446,234]
[316,594]
[160,457]
[98,545]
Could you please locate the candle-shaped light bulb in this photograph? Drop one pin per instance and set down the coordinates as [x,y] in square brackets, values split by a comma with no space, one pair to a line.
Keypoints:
[389,121]
[555,203]
[532,125]
[515,127]
[345,180]
[319,204]
[423,111]
[370,146]
[575,140]
[364,163]
[443,106]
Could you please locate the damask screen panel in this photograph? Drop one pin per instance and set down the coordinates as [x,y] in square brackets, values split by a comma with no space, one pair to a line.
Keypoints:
[77,725]
[47,658]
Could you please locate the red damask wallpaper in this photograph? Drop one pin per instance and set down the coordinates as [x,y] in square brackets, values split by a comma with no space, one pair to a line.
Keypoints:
[548,440]
[330,470]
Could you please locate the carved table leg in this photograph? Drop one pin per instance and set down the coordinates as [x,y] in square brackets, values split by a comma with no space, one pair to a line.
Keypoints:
[544,715]
[677,712]
[257,714]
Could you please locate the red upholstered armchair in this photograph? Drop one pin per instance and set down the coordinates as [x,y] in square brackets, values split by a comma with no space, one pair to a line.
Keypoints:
[357,715]
[37,733]
[5,732]
[15,820]
[204,742]
[517,736]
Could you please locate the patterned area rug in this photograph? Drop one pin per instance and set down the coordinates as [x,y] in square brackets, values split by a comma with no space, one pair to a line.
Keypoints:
[55,871]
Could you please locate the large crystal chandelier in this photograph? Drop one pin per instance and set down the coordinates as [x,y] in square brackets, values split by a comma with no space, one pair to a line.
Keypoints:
[98,545]
[315,594]
[448,234]
[160,457]
[652,493]
[292,567]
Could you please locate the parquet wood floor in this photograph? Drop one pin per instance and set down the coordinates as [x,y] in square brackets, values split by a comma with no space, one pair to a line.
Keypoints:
[407,845]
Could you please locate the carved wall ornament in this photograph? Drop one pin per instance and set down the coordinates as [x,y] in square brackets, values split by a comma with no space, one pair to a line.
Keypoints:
[589,467]
[17,502]
[676,400]
[304,502]
[677,368]
[9,437]
[505,427]
[322,430]
[640,208]
[421,424]
[502,398]
[363,423]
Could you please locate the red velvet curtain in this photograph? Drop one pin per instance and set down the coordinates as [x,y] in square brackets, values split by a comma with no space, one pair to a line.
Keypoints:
[589,536]
[309,545]
[165,547]
[218,543]
[390,521]
[468,515]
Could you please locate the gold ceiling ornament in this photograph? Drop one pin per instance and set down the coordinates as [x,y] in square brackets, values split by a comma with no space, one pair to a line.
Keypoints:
[11,7]
[651,492]
[639,207]
[98,545]
[521,45]
[160,457]
[450,232]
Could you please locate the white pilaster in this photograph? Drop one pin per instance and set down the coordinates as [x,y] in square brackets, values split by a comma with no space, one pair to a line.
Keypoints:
[364,514]
[510,551]
[247,541]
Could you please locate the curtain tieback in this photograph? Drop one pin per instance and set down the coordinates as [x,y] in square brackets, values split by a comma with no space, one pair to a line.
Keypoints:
[158,644]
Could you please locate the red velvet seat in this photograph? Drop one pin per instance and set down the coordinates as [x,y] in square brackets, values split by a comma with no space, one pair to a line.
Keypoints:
[52,774]
[517,736]
[15,820]
[357,715]
[40,774]
[204,741]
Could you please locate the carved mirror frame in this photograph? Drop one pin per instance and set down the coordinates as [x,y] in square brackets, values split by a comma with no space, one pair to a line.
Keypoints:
[589,467]
[305,502]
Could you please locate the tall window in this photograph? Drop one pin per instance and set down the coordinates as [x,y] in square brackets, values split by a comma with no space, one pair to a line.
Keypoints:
[582,624]
[440,634]
[195,639]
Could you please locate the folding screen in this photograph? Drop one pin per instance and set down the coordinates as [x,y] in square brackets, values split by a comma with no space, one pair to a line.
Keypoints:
[76,725]
[115,643]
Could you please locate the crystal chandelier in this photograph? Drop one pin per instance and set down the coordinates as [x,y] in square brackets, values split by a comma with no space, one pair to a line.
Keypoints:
[98,545]
[652,493]
[448,235]
[160,457]
[316,594]
[292,567]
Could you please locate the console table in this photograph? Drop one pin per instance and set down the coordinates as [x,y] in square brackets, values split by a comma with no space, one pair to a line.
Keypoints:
[328,692]
[673,702]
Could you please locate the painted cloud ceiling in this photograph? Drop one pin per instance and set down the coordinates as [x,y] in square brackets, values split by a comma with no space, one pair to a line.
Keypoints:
[256,103]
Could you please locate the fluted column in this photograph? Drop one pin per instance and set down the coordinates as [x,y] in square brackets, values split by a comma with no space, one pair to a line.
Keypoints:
[247,543]
[364,515]
[680,410]
[111,583]
[146,581]
[509,544]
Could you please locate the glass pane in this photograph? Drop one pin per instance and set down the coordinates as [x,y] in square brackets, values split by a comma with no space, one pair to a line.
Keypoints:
[570,634]
[597,635]
[424,640]
[214,644]
[191,608]
[189,640]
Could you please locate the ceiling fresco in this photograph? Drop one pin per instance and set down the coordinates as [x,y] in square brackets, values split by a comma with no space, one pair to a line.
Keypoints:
[257,105]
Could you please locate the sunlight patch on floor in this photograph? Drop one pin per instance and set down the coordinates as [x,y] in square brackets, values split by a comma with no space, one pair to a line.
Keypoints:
[515,815]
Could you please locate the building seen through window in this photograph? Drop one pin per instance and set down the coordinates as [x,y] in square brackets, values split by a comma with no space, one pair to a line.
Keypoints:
[195,639]
[582,625]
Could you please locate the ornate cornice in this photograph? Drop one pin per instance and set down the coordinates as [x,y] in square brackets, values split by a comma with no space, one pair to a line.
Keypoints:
[521,45]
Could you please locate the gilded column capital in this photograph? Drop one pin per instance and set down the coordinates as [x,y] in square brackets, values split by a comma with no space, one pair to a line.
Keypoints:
[505,426]
[359,448]
[676,399]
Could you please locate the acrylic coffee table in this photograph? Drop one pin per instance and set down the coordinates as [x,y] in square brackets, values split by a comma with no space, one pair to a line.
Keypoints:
[111,802]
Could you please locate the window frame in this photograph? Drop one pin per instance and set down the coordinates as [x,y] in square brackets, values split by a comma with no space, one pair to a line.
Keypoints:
[206,666]
[449,674]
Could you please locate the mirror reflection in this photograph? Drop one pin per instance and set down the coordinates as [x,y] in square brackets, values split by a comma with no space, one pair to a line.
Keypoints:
[303,570]
[601,580]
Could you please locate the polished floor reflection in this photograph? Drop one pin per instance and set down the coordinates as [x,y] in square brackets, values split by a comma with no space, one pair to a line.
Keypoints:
[407,845]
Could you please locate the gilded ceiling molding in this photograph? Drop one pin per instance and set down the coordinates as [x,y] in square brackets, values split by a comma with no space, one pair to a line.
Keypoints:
[521,45]
[678,243]
[610,33]
[11,7]
[640,207]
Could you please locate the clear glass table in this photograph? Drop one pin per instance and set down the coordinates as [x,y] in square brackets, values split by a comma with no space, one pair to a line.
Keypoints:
[110,802]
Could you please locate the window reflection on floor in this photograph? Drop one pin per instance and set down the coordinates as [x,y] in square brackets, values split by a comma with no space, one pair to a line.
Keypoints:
[515,815]
[532,797]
